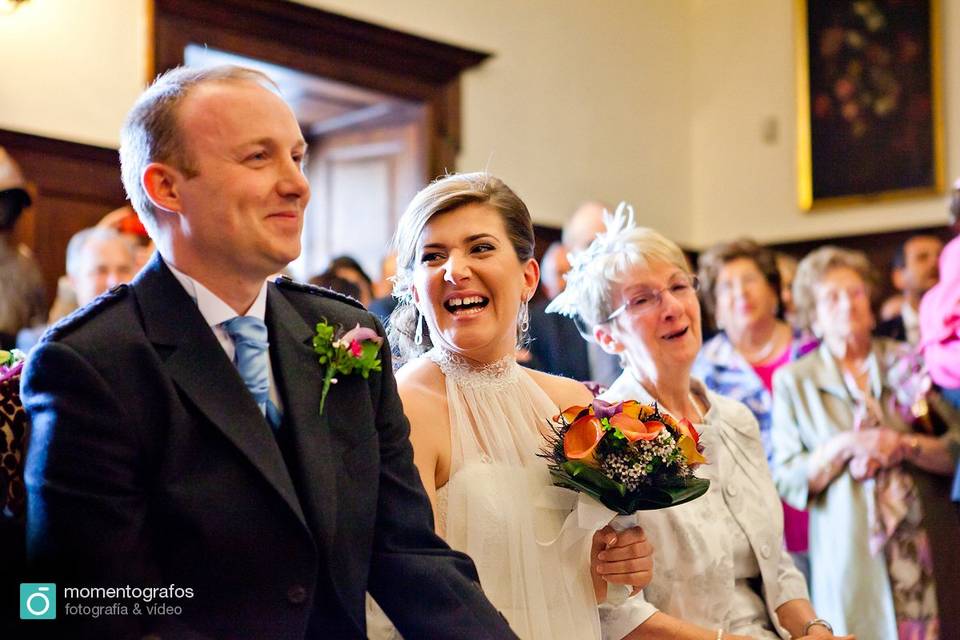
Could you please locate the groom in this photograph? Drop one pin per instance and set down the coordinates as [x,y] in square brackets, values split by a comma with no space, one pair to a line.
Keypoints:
[175,449]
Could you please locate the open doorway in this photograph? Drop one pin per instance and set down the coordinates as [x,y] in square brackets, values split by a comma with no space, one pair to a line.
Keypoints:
[366,160]
[379,107]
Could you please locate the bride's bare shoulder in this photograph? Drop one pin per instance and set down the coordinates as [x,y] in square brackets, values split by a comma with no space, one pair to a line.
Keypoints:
[421,385]
[564,392]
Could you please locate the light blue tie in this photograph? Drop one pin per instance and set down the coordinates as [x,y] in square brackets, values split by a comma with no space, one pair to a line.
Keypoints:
[249,337]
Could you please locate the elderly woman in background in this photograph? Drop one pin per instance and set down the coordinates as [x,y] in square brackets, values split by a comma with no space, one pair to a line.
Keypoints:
[843,449]
[722,571]
[741,286]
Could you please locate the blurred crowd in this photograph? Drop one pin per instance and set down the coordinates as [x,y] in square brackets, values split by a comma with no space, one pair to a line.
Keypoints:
[857,399]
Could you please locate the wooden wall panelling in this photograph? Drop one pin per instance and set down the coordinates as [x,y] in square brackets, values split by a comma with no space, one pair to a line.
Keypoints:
[73,186]
[328,45]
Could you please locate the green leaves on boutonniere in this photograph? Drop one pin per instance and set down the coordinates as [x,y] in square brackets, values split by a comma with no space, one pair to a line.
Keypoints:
[353,352]
[10,359]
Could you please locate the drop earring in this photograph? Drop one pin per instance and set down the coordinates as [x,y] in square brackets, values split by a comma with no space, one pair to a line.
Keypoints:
[523,318]
[418,336]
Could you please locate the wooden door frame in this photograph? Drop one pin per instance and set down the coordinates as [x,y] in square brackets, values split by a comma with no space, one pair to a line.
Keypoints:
[327,45]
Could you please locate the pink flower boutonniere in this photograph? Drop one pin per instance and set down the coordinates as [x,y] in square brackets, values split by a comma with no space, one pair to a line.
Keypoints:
[353,352]
[11,363]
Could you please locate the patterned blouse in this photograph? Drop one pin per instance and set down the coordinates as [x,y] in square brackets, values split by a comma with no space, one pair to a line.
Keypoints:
[723,370]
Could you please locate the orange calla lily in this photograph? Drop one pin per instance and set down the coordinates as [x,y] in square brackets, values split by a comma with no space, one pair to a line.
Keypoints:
[582,438]
[686,428]
[570,414]
[635,429]
[689,450]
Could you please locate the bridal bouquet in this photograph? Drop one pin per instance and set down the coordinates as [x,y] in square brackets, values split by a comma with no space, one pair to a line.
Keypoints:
[628,455]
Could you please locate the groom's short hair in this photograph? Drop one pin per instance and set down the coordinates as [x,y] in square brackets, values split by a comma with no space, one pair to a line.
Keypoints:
[151,131]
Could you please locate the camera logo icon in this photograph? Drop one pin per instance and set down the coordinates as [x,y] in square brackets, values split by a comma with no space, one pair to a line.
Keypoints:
[38,601]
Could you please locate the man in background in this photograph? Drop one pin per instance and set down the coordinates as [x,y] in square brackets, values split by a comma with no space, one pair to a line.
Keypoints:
[22,295]
[915,271]
[98,259]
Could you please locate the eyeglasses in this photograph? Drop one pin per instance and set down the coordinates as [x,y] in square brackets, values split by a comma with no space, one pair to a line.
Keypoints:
[644,301]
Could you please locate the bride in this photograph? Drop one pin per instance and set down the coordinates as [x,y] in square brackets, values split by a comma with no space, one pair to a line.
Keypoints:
[465,275]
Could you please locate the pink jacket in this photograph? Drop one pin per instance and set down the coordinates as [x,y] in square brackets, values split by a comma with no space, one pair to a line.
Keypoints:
[940,321]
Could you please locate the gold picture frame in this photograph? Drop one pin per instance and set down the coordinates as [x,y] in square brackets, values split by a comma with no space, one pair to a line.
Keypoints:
[869,101]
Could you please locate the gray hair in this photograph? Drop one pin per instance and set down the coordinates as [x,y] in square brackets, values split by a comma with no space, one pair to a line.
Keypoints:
[81,239]
[443,195]
[595,271]
[813,268]
[151,132]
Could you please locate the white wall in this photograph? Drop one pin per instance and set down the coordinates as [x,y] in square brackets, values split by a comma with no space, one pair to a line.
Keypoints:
[660,102]
[71,68]
[743,74]
[580,99]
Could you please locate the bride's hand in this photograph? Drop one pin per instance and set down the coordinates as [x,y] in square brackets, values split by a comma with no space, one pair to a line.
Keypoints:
[620,558]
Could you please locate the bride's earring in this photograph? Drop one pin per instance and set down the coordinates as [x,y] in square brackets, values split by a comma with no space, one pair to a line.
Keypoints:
[523,318]
[418,336]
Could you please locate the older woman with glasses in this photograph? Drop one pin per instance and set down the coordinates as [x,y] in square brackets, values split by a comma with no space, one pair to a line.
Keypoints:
[843,449]
[721,568]
[741,288]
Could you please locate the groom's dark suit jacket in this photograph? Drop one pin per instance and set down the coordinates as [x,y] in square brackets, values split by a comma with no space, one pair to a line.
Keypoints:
[151,465]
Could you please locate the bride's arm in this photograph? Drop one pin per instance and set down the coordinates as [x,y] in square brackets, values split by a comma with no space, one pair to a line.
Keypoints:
[430,438]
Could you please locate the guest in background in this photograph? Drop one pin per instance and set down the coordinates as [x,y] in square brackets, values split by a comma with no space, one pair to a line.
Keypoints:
[126,221]
[721,569]
[583,359]
[22,295]
[383,287]
[384,303]
[556,345]
[914,272]
[328,280]
[940,326]
[349,269]
[740,287]
[875,490]
[98,259]
[787,266]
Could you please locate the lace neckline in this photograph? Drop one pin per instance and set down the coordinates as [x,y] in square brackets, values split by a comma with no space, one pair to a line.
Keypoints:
[466,373]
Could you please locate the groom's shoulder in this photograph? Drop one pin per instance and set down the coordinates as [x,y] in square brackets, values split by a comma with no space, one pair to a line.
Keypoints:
[313,295]
[103,314]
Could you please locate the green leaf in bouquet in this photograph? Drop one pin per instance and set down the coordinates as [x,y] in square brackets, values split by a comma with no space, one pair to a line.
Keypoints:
[652,498]
[593,477]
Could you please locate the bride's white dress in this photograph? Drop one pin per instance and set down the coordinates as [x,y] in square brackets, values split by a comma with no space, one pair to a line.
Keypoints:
[528,539]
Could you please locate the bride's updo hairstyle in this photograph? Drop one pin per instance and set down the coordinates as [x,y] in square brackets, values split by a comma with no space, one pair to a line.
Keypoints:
[441,196]
[614,253]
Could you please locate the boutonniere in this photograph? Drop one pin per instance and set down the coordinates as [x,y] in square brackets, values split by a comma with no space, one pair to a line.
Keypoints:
[353,352]
[10,360]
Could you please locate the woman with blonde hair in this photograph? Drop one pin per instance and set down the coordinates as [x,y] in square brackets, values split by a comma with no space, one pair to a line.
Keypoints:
[740,286]
[843,448]
[722,571]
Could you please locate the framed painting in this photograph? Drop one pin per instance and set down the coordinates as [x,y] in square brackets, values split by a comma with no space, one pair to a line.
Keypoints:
[870,121]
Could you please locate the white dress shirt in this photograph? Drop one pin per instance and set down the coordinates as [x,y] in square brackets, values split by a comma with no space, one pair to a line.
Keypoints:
[215,312]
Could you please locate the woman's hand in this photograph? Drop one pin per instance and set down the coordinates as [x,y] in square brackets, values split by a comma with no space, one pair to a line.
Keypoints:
[881,444]
[620,558]
[864,467]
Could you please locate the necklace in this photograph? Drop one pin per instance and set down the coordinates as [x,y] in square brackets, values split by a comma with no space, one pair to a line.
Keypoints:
[763,353]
